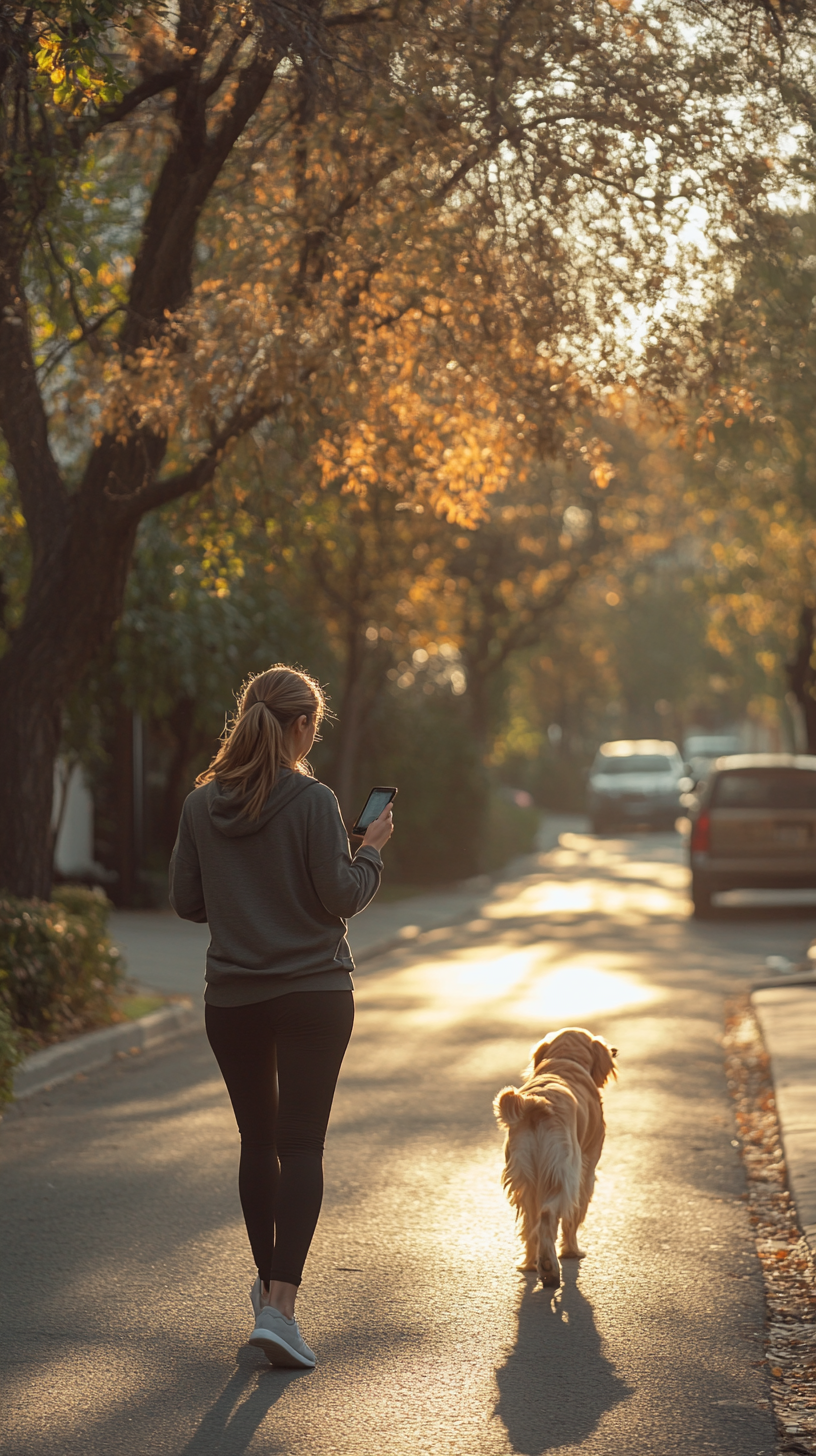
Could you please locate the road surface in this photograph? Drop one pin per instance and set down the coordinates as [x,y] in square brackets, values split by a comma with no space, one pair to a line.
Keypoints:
[125,1268]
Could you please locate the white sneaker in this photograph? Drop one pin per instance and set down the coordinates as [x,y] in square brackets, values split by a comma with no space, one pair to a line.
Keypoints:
[281,1340]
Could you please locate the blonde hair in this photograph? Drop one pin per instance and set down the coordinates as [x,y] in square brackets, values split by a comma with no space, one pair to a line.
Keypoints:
[254,744]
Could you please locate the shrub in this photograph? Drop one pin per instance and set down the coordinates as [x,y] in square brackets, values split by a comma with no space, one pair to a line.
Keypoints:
[10,1054]
[557,781]
[510,830]
[424,746]
[58,968]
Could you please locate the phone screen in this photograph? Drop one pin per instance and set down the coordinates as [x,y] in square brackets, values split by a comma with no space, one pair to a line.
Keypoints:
[377,800]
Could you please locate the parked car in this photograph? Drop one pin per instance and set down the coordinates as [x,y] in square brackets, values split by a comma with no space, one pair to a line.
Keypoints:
[701,751]
[754,826]
[636,781]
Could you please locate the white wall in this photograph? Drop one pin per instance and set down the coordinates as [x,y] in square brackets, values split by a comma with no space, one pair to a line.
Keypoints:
[74,854]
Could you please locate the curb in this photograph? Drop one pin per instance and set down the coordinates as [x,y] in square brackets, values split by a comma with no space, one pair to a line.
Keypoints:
[787,1032]
[795,978]
[43,1070]
[482,886]
[406,936]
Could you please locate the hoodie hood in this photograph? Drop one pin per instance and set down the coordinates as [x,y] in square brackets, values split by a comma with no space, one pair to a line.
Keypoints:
[227,810]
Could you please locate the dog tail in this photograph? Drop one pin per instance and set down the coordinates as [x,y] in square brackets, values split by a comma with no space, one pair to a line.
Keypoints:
[558,1167]
[510,1105]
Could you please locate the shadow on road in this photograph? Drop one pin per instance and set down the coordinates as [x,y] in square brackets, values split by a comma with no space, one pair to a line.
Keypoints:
[231,1423]
[557,1384]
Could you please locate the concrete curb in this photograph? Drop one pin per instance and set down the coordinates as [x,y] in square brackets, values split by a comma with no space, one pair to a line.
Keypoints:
[787,1019]
[482,885]
[775,983]
[43,1070]
[55,1064]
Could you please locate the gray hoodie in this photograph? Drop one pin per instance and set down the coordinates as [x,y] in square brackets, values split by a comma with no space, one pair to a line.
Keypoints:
[276,891]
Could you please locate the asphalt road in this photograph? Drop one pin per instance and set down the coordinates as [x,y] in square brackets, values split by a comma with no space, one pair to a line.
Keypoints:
[125,1269]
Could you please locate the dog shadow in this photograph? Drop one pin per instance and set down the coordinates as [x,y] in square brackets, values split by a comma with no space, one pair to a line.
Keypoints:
[232,1422]
[557,1384]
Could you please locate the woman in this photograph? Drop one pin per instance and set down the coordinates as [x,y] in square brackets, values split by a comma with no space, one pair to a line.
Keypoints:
[263,857]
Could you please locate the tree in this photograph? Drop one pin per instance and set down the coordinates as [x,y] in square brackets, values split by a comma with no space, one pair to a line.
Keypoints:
[497,586]
[200,237]
[350,534]
[208,638]
[750,490]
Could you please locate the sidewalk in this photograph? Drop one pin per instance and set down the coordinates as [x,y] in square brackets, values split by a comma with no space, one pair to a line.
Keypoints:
[787,1018]
[166,954]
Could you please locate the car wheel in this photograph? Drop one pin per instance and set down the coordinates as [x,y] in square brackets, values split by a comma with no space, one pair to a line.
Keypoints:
[701,899]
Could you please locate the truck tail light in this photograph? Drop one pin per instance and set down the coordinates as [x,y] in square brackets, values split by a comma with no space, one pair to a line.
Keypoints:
[701,834]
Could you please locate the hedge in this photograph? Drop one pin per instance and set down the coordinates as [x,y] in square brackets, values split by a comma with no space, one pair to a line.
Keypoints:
[510,830]
[11,1053]
[58,971]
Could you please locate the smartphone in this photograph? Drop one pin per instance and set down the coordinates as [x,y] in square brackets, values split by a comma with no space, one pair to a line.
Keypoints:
[379,799]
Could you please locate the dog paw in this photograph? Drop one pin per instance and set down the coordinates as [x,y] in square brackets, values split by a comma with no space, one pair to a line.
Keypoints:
[528,1267]
[575,1253]
[549,1273]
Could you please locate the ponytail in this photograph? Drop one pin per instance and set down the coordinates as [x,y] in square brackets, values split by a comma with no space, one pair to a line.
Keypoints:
[254,745]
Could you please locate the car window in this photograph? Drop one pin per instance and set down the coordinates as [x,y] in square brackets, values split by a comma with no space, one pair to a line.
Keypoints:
[635,763]
[765,788]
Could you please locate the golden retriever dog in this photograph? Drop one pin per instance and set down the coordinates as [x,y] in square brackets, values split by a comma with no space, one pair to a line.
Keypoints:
[555,1133]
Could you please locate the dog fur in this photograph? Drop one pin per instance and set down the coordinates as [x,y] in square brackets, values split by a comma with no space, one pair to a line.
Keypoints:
[555,1132]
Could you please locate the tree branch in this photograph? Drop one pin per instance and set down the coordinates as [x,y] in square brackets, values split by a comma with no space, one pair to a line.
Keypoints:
[359,17]
[88,332]
[219,75]
[25,426]
[151,86]
[172,487]
[162,275]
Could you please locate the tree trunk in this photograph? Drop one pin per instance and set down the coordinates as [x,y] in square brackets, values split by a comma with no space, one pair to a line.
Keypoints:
[802,673]
[351,717]
[29,740]
[125,860]
[73,601]
[82,539]
[177,784]
[480,691]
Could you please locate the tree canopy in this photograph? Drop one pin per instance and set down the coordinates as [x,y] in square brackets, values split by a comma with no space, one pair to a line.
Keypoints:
[462,221]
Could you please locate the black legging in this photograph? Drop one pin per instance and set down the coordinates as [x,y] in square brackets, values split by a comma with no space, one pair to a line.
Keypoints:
[280,1060]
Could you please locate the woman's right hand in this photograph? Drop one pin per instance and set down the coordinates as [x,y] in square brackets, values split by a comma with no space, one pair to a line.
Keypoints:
[378,833]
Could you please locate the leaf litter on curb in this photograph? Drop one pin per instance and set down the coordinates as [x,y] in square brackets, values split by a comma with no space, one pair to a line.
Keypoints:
[787,1263]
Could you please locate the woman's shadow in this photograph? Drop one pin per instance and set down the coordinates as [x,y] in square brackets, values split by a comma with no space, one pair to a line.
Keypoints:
[233,1421]
[557,1384]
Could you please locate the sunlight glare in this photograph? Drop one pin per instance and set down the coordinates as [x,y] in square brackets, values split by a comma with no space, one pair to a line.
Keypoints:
[516,987]
[576,992]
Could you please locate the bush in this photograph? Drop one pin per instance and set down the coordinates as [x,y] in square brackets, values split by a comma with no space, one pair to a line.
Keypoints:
[510,830]
[58,968]
[557,781]
[425,746]
[10,1054]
